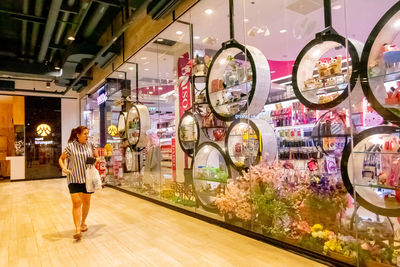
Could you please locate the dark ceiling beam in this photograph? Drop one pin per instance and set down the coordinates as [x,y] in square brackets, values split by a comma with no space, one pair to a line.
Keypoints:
[26,17]
[13,67]
[48,31]
[94,20]
[115,37]
[35,29]
[25,10]
[72,9]
[78,20]
[109,3]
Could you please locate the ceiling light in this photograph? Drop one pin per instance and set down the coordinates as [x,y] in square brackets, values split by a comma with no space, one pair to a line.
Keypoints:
[146,69]
[71,38]
[283,31]
[160,40]
[130,68]
[208,11]
[179,32]
[143,58]
[47,85]
[246,20]
[196,37]
[336,7]
[160,88]
[151,93]
[57,68]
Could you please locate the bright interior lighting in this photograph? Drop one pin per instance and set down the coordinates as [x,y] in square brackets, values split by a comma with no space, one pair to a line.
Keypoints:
[283,31]
[246,20]
[396,24]
[143,58]
[151,93]
[208,11]
[57,68]
[130,68]
[336,7]
[146,69]
[160,39]
[159,88]
[377,141]
[196,37]
[179,32]
[71,38]
[222,61]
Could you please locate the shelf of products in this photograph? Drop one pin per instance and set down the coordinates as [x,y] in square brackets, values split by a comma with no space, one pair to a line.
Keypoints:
[380,63]
[213,128]
[231,86]
[329,88]
[373,169]
[210,174]
[250,141]
[188,132]
[137,124]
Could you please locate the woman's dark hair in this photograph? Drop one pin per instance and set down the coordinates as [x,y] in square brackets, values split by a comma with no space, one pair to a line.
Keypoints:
[75,131]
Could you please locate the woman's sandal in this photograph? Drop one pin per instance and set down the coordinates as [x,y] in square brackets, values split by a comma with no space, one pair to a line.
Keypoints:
[78,236]
[84,228]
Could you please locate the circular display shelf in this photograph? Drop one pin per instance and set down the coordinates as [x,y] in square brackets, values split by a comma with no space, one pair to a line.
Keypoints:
[380,69]
[121,124]
[372,168]
[238,80]
[330,133]
[212,128]
[250,141]
[129,159]
[329,88]
[137,124]
[188,133]
[210,174]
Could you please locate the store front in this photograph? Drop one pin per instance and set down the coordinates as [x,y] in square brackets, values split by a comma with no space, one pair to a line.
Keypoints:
[281,119]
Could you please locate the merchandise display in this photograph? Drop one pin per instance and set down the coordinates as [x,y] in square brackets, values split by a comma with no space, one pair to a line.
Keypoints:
[121,124]
[188,132]
[373,168]
[137,124]
[380,66]
[250,141]
[238,80]
[210,174]
[129,158]
[329,88]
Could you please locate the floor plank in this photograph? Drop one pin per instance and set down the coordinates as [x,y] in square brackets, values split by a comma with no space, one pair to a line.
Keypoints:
[36,229]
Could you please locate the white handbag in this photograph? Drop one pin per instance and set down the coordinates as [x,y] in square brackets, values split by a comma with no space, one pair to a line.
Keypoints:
[93,180]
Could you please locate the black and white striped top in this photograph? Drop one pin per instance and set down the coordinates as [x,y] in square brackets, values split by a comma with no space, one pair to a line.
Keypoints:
[77,154]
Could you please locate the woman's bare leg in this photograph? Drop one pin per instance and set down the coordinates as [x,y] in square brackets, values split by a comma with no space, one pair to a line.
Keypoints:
[77,210]
[85,208]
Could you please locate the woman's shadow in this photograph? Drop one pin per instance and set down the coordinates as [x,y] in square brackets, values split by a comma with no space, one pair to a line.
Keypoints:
[93,232]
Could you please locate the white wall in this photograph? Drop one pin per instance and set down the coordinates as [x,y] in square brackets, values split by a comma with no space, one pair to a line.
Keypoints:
[69,118]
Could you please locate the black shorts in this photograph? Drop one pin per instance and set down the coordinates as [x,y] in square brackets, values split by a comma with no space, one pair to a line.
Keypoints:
[77,188]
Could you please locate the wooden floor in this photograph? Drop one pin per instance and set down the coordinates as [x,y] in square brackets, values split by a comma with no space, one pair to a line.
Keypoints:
[36,230]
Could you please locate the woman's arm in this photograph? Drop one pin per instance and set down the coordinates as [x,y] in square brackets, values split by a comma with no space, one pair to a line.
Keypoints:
[61,163]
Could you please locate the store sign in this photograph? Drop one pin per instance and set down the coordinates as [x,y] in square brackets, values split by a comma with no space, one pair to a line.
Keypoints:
[43,129]
[173,148]
[102,98]
[184,85]
[112,130]
[41,141]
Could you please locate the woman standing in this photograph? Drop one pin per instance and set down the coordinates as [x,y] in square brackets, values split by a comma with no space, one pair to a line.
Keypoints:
[78,151]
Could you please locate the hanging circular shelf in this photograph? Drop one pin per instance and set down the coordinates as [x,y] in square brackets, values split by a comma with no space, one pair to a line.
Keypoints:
[380,69]
[238,80]
[250,141]
[137,124]
[372,167]
[329,88]
[188,133]
[210,174]
[122,124]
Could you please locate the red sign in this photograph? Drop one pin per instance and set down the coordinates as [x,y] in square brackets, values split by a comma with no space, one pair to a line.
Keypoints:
[173,148]
[184,85]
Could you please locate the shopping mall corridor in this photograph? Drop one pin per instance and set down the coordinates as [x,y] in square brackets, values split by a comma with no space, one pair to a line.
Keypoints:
[36,230]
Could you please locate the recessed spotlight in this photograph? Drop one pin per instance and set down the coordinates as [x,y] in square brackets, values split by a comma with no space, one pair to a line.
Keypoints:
[246,20]
[143,58]
[160,40]
[160,88]
[130,68]
[208,11]
[57,68]
[336,7]
[283,31]
[71,38]
[146,69]
[196,37]
[179,32]
[151,93]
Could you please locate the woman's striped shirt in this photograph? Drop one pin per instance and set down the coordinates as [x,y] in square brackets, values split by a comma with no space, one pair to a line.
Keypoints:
[77,154]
